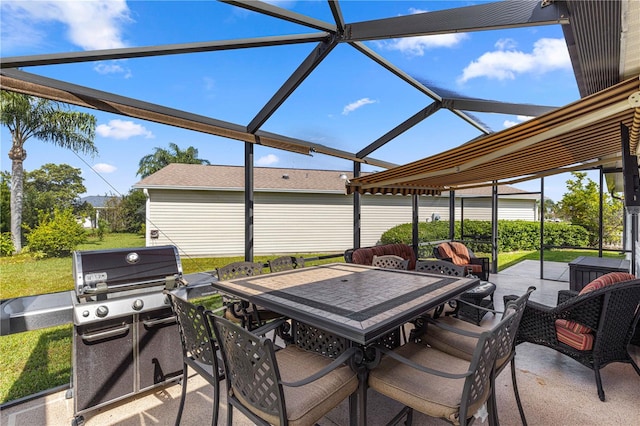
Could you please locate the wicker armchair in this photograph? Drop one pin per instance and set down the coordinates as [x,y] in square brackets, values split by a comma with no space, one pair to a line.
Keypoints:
[438,384]
[461,255]
[288,386]
[593,327]
[249,315]
[390,261]
[199,350]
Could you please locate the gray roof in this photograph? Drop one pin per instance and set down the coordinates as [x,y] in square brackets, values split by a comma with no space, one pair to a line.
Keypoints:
[266,179]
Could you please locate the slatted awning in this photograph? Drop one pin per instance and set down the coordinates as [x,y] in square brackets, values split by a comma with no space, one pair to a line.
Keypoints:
[583,134]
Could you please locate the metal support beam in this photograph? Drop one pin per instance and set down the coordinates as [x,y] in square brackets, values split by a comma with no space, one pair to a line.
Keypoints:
[356,210]
[161,50]
[399,129]
[482,105]
[285,14]
[452,214]
[600,212]
[415,220]
[494,228]
[542,209]
[248,202]
[308,65]
[489,16]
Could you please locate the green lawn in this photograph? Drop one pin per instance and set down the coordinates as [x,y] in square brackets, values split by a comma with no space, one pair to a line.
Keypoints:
[41,359]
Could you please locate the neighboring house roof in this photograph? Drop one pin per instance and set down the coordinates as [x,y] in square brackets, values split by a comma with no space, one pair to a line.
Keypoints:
[97,201]
[266,179]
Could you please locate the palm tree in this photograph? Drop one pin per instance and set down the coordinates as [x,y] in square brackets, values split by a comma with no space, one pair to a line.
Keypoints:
[149,164]
[27,116]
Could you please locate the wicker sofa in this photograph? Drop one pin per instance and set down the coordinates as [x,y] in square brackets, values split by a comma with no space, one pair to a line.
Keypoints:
[364,255]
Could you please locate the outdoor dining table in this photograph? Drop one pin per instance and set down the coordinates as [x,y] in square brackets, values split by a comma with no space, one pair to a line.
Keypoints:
[357,302]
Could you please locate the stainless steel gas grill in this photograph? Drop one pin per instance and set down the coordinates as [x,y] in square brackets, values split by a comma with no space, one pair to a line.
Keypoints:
[125,338]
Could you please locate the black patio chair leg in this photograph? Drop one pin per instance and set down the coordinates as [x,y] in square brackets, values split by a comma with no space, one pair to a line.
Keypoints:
[229,414]
[516,393]
[216,402]
[183,394]
[596,369]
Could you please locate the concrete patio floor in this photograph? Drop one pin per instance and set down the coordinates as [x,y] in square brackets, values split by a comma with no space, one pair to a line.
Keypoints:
[555,389]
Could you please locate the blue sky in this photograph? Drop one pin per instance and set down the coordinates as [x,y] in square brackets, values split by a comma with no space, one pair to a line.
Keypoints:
[346,103]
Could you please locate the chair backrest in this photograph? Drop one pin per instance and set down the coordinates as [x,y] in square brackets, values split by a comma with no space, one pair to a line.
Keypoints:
[440,267]
[239,269]
[506,343]
[390,261]
[282,263]
[456,251]
[477,386]
[252,373]
[197,338]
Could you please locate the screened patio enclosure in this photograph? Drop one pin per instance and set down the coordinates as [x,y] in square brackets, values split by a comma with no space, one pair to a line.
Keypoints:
[602,39]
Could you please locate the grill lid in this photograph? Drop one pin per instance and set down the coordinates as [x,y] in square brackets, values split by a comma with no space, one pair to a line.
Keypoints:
[105,271]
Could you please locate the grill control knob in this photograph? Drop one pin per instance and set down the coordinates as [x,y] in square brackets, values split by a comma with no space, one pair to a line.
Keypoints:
[102,311]
[137,304]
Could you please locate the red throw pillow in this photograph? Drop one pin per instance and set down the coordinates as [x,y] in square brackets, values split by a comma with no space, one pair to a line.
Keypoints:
[607,279]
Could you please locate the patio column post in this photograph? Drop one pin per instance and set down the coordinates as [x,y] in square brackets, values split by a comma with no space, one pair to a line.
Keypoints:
[452,213]
[414,223]
[542,209]
[248,202]
[356,208]
[601,217]
[494,227]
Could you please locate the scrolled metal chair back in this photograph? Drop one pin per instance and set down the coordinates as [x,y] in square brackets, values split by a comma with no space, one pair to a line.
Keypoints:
[196,338]
[440,267]
[390,261]
[251,369]
[239,269]
[283,263]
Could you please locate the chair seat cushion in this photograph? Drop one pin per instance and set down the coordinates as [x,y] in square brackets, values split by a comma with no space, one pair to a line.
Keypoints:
[307,404]
[455,344]
[582,341]
[432,395]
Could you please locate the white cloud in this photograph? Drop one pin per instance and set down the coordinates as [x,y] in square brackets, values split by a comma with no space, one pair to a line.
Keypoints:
[104,168]
[112,68]
[90,24]
[209,83]
[267,160]
[548,55]
[357,104]
[520,118]
[506,43]
[119,129]
[416,46]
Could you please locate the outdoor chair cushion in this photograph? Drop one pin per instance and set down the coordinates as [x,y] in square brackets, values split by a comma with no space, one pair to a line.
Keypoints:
[580,336]
[459,254]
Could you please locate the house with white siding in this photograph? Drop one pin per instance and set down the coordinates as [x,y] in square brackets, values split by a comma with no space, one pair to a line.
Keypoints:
[200,209]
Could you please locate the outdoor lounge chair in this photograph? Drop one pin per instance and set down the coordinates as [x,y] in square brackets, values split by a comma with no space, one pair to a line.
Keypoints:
[458,253]
[290,386]
[593,327]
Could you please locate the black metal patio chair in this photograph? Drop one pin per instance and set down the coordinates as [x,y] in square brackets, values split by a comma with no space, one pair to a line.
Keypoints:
[438,384]
[459,338]
[285,263]
[290,386]
[199,350]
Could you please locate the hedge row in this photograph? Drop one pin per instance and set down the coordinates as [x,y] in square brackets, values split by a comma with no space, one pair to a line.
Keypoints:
[513,235]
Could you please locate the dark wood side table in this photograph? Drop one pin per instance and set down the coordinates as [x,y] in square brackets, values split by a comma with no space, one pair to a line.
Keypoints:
[585,269]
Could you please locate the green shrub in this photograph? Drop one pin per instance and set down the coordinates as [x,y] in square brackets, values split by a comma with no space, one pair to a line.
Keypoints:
[513,235]
[56,235]
[6,245]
